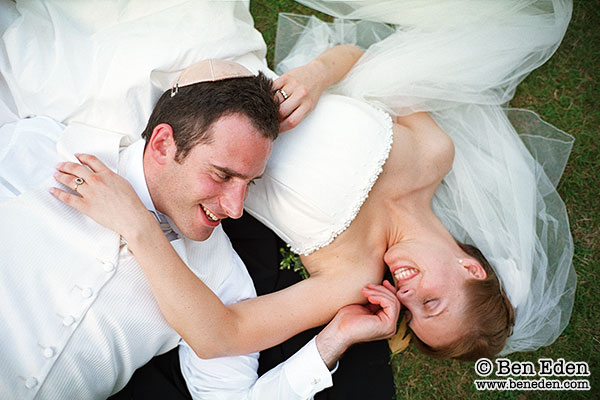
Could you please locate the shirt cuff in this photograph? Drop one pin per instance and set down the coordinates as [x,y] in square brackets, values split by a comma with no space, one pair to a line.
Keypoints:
[306,372]
[335,367]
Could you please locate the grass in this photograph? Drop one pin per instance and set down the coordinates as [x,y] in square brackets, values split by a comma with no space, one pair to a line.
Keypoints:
[565,93]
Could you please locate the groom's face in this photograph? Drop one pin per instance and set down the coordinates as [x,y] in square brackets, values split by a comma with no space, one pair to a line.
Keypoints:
[211,183]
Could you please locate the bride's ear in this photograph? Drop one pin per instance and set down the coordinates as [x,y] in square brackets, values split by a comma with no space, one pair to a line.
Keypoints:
[475,269]
[161,145]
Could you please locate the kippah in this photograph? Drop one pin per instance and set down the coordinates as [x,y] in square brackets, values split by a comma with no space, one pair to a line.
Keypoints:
[210,70]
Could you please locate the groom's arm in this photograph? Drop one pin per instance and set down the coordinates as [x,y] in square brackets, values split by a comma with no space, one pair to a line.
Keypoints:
[308,370]
[235,378]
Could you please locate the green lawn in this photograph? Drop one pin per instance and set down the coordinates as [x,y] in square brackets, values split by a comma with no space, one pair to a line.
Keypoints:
[565,93]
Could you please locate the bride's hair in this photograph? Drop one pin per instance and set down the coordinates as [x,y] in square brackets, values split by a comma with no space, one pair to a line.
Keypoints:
[488,314]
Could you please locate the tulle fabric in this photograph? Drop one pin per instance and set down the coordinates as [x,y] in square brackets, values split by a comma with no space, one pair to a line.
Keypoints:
[461,60]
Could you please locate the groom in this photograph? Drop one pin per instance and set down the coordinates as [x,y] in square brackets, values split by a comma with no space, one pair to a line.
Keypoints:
[78,316]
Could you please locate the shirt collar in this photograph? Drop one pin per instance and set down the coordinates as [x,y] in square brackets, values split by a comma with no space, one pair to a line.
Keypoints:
[134,173]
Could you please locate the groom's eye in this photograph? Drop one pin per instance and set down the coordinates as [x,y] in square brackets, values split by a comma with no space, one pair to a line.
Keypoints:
[222,177]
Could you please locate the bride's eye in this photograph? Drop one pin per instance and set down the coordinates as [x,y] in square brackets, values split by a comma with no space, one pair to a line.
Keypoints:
[430,303]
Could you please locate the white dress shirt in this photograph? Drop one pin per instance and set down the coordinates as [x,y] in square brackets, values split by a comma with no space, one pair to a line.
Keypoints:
[81,330]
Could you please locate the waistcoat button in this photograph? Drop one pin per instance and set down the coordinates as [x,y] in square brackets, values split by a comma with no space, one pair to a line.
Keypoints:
[87,292]
[108,267]
[30,383]
[49,352]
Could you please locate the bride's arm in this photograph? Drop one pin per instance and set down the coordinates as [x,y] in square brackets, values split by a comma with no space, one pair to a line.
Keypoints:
[304,85]
[214,330]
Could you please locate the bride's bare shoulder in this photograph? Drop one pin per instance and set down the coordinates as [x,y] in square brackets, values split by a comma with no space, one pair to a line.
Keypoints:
[422,154]
[430,141]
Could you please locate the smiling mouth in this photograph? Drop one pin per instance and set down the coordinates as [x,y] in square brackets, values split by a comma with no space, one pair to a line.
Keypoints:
[209,214]
[405,273]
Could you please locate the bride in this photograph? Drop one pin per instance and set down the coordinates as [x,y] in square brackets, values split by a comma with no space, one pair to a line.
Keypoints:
[356,191]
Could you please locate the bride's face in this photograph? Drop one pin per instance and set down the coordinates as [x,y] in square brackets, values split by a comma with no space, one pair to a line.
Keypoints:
[430,281]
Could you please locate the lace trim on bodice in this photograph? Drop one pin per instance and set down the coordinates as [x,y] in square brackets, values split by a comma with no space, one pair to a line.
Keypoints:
[363,192]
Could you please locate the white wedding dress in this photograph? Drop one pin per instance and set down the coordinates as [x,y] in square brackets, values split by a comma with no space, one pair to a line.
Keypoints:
[321,172]
[459,60]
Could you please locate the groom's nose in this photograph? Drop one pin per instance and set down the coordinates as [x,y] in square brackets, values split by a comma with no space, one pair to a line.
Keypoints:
[232,200]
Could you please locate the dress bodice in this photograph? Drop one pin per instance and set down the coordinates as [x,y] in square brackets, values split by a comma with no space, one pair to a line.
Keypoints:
[321,172]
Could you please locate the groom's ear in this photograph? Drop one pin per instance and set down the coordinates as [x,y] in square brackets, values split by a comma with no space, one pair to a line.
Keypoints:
[161,147]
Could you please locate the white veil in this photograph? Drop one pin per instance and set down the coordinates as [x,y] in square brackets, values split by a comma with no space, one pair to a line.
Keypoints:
[461,60]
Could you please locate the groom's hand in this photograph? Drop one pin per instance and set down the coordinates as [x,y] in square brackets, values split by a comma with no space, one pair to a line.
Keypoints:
[360,323]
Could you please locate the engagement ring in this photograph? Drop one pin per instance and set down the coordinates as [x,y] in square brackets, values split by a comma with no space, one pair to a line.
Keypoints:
[78,181]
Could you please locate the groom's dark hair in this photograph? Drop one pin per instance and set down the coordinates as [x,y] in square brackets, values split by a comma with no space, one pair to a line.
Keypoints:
[193,110]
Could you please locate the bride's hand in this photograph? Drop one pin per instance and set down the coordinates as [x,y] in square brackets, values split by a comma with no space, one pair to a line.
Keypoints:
[298,92]
[299,89]
[102,195]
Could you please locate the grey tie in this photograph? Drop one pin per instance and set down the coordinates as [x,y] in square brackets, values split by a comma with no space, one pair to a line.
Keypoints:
[165,226]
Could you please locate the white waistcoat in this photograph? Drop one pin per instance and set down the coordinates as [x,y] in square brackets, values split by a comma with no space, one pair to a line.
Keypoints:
[77,315]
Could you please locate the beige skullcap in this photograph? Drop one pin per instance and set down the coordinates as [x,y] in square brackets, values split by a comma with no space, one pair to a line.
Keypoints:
[210,70]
